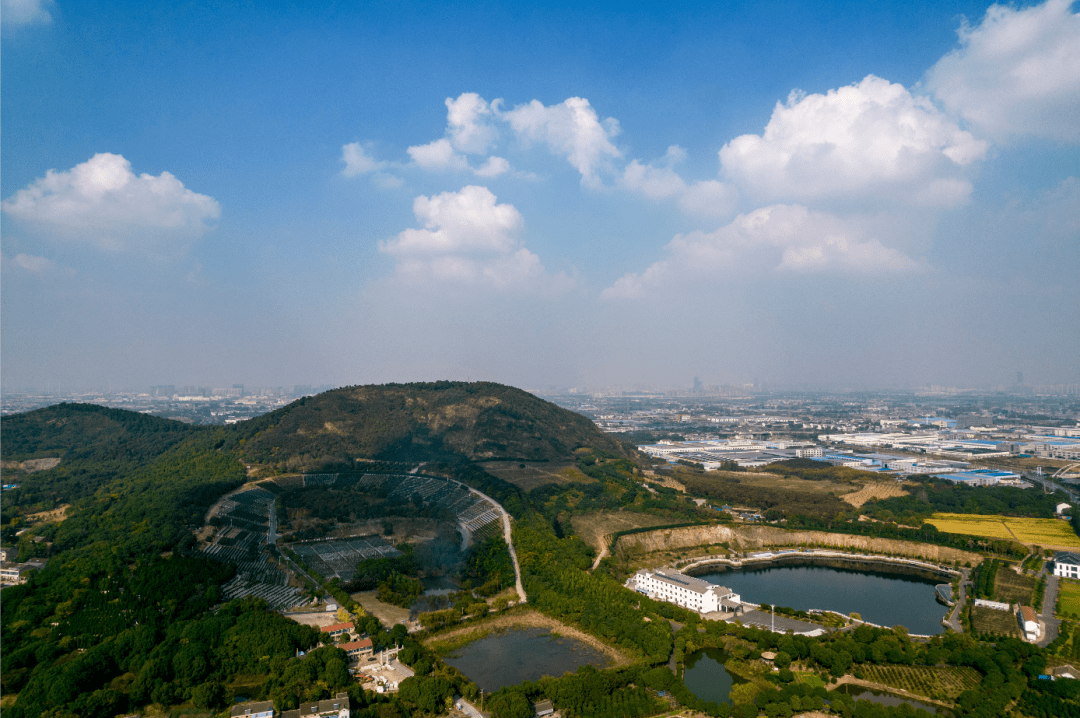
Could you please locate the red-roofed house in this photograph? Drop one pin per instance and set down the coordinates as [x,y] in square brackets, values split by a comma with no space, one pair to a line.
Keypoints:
[338,629]
[356,649]
[1030,622]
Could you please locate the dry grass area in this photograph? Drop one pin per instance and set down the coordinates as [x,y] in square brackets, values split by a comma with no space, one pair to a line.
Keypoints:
[528,475]
[534,619]
[664,480]
[318,619]
[595,528]
[876,490]
[786,483]
[54,515]
[385,612]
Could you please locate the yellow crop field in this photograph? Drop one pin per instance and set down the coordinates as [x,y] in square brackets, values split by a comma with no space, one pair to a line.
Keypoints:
[1043,532]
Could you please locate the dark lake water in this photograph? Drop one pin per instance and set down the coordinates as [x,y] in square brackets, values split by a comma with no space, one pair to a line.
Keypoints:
[860,693]
[706,676]
[883,597]
[510,657]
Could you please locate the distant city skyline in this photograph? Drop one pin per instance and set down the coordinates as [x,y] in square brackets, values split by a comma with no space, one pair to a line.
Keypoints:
[879,196]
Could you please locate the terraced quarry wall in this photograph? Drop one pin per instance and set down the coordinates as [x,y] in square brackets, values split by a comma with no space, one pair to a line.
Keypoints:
[746,538]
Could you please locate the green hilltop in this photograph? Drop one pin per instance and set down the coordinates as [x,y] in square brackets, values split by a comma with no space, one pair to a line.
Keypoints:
[438,421]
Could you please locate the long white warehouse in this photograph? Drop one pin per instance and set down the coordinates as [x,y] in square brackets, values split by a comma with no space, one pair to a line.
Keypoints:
[683,590]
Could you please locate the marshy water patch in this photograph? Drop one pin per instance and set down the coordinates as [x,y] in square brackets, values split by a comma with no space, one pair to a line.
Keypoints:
[508,657]
[706,677]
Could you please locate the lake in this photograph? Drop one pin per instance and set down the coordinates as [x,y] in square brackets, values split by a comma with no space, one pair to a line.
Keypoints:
[885,596]
[706,676]
[861,693]
[510,657]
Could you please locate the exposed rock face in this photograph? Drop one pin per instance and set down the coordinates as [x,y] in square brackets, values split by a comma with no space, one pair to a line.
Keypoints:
[747,538]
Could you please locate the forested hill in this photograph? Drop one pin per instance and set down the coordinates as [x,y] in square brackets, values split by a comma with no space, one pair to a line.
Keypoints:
[95,444]
[69,431]
[444,421]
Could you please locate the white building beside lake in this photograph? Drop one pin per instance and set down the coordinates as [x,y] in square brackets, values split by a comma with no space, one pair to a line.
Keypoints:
[682,590]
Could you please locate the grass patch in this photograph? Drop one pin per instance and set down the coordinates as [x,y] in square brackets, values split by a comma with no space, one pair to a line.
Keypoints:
[989,620]
[1068,601]
[936,682]
[1043,532]
[809,678]
[454,642]
[594,528]
[1013,588]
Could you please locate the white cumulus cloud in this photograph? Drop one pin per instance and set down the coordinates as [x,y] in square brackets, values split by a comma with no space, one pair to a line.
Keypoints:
[708,198]
[438,155]
[571,129]
[103,203]
[870,140]
[469,123]
[782,237]
[468,238]
[1016,73]
[25,12]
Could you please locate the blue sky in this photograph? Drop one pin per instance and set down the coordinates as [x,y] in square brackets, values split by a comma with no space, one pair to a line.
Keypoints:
[854,195]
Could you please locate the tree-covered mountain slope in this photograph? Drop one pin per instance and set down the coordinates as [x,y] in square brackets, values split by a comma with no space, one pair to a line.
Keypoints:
[440,421]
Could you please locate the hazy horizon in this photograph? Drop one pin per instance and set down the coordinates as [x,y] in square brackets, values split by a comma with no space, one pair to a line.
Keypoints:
[801,195]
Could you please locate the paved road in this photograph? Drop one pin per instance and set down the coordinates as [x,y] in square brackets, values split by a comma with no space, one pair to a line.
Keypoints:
[954,616]
[507,534]
[1049,601]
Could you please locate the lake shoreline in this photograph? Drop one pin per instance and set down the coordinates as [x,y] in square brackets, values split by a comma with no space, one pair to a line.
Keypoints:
[527,618]
[922,569]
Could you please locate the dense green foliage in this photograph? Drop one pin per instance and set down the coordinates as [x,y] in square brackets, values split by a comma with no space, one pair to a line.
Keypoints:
[95,445]
[949,497]
[488,568]
[982,581]
[556,583]
[785,502]
[373,571]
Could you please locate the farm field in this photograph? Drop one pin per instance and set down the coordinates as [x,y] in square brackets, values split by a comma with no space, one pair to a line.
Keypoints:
[990,620]
[937,682]
[1068,597]
[1049,533]
[1012,588]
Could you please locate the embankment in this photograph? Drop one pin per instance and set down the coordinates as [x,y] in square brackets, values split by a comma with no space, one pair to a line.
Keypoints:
[753,538]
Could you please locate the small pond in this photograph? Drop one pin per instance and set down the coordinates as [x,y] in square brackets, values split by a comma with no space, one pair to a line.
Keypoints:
[510,657]
[861,693]
[881,594]
[706,676]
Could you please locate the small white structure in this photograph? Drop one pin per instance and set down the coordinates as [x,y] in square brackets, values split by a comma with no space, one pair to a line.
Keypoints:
[1067,564]
[1062,508]
[683,590]
[996,605]
[1030,623]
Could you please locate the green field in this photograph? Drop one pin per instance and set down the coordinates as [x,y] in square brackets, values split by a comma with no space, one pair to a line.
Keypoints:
[1012,588]
[938,682]
[1068,597]
[1042,532]
[989,620]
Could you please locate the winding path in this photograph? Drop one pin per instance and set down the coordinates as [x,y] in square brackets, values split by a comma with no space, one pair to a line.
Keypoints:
[518,586]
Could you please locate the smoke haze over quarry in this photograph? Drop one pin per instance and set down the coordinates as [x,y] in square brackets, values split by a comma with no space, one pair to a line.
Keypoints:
[880,196]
